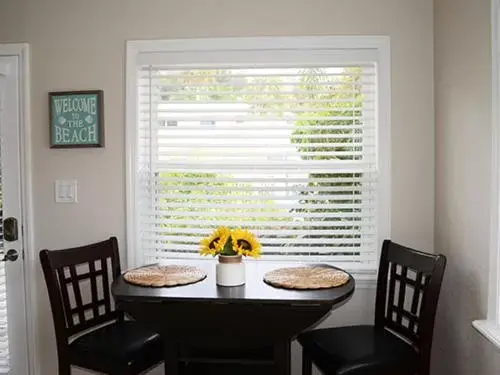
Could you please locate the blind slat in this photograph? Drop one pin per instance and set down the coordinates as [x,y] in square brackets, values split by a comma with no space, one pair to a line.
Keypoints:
[280,241]
[354,138]
[347,262]
[277,224]
[153,72]
[202,231]
[255,126]
[313,167]
[323,181]
[281,250]
[145,115]
[147,100]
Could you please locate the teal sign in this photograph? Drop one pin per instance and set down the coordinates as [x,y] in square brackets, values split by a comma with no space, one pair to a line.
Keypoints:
[76,119]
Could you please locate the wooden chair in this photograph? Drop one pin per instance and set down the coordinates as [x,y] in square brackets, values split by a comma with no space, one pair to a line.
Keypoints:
[399,343]
[93,335]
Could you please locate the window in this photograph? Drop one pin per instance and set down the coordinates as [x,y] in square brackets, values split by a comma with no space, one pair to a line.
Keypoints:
[287,137]
[490,327]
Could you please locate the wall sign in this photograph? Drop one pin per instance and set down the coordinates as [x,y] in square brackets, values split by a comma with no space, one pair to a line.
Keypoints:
[76,119]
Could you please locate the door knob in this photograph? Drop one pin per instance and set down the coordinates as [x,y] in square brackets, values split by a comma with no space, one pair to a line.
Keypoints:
[11,255]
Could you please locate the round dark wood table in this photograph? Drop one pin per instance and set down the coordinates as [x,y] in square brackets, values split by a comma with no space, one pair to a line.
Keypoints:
[250,325]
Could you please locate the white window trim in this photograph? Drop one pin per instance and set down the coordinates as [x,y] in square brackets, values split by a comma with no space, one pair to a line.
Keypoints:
[490,327]
[138,48]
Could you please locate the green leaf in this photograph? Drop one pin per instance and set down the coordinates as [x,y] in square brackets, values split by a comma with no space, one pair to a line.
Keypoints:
[228,248]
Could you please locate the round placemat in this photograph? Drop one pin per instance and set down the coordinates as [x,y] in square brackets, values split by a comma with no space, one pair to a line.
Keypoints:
[171,275]
[308,277]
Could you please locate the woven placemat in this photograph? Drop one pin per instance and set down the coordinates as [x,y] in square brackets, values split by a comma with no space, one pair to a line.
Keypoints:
[171,275]
[309,277]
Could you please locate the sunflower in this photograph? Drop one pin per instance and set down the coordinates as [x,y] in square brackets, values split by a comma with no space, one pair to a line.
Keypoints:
[245,243]
[214,244]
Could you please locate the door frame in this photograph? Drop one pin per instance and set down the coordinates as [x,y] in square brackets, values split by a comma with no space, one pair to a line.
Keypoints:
[22,52]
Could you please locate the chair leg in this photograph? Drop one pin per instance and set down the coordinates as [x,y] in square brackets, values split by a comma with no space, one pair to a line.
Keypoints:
[306,364]
[424,368]
[171,358]
[64,368]
[282,358]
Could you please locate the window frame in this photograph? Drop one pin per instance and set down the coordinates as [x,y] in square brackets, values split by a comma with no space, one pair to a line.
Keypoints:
[490,327]
[137,50]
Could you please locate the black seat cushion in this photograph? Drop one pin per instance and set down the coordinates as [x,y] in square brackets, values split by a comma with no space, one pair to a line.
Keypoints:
[123,342]
[358,350]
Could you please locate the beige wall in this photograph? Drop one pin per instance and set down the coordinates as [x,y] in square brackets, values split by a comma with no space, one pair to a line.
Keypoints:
[81,45]
[463,161]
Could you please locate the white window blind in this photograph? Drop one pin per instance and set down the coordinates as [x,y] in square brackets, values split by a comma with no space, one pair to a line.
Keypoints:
[285,148]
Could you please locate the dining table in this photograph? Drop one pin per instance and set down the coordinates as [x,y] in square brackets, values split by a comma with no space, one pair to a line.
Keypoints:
[203,324]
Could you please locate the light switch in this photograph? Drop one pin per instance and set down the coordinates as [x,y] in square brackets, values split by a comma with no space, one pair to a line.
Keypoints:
[65,191]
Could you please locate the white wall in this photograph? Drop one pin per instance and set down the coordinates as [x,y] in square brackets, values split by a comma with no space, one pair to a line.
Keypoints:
[463,161]
[81,45]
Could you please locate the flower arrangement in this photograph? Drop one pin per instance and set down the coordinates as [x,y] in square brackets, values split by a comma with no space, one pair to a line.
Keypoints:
[224,241]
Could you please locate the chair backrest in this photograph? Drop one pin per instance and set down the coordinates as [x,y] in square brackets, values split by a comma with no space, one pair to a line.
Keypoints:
[69,275]
[408,286]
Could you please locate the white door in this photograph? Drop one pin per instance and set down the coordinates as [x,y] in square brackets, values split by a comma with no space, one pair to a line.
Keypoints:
[13,331]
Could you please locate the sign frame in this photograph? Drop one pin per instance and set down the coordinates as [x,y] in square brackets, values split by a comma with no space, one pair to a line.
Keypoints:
[99,94]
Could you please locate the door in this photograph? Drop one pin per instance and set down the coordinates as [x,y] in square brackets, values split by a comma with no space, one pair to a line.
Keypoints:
[13,331]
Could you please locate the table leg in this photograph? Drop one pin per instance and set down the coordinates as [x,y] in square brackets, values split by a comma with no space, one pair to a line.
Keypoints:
[171,358]
[282,358]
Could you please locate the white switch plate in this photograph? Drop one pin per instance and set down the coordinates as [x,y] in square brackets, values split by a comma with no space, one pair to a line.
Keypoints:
[65,191]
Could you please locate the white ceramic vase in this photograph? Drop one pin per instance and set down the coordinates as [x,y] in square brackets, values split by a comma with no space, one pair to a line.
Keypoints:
[230,271]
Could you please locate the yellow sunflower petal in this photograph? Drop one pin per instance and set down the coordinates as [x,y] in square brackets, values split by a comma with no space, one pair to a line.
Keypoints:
[245,243]
[213,244]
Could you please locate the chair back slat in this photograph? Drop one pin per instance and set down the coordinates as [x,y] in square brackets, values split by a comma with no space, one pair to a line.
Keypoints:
[408,287]
[93,288]
[401,295]
[77,294]
[107,299]
[418,289]
[74,279]
[392,291]
[64,296]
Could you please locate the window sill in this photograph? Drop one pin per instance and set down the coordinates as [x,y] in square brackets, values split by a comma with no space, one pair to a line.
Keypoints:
[489,329]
